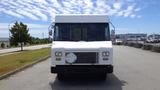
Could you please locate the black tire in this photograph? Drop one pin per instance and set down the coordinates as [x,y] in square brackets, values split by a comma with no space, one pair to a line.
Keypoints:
[103,76]
[60,77]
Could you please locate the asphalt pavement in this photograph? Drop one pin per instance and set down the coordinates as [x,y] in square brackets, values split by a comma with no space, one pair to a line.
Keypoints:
[135,69]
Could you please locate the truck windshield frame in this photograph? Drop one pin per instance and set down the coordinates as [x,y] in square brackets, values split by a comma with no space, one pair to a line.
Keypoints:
[81,32]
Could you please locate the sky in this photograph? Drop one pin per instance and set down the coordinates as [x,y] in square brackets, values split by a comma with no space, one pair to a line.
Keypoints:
[128,16]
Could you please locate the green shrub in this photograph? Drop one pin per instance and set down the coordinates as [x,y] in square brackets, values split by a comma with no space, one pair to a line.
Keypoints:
[125,43]
[138,45]
[147,47]
[131,44]
[2,45]
[156,48]
[119,43]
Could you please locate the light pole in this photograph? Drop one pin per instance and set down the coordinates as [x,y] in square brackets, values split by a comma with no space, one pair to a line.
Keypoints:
[21,39]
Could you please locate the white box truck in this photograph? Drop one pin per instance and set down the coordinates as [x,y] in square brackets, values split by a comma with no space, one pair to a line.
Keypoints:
[81,45]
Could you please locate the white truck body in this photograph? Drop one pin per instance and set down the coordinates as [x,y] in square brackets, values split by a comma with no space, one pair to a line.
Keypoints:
[82,47]
[73,50]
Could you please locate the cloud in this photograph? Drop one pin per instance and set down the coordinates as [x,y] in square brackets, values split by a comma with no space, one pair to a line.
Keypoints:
[129,11]
[5,26]
[10,12]
[133,16]
[39,33]
[46,9]
[139,16]
[35,30]
[37,26]
[4,33]
[27,14]
[137,9]
[40,14]
[117,5]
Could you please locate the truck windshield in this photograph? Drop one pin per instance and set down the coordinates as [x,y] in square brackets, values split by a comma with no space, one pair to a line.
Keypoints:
[81,32]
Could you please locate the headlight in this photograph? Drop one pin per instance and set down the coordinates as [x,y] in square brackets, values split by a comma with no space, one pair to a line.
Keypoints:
[71,57]
[58,54]
[105,53]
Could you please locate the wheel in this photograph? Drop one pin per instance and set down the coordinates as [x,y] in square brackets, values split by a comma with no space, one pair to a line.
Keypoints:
[60,76]
[103,76]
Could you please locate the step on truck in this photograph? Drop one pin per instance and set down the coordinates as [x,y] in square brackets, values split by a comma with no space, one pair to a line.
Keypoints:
[81,45]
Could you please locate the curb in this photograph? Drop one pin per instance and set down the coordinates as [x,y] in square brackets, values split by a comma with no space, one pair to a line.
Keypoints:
[23,68]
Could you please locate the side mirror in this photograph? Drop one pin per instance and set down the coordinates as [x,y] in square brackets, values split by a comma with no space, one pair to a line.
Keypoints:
[112,26]
[50,33]
[51,29]
[113,35]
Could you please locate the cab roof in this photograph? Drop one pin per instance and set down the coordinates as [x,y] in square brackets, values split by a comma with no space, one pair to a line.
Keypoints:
[81,18]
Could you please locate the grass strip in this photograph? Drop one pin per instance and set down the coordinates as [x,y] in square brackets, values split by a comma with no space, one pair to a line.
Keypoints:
[14,61]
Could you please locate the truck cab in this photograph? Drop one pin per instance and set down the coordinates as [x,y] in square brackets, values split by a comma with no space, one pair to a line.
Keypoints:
[81,45]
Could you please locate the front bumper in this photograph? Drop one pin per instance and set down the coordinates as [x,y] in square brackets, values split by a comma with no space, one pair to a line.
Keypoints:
[82,69]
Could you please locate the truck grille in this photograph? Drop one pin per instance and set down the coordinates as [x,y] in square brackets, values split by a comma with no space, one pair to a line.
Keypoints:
[86,57]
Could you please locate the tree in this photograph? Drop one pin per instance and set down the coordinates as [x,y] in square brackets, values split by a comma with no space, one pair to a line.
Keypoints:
[19,34]
[40,41]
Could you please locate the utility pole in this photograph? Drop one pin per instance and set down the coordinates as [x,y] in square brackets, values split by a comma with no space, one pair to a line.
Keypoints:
[21,42]
[21,39]
[42,35]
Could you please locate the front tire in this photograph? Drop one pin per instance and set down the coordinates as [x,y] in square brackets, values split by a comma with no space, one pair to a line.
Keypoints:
[103,76]
[60,76]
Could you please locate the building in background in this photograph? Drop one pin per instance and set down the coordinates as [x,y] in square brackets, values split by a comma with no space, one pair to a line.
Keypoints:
[136,37]
[119,39]
[4,42]
[153,38]
[131,37]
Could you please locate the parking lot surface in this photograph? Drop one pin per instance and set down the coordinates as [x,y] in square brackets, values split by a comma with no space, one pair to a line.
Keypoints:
[135,69]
